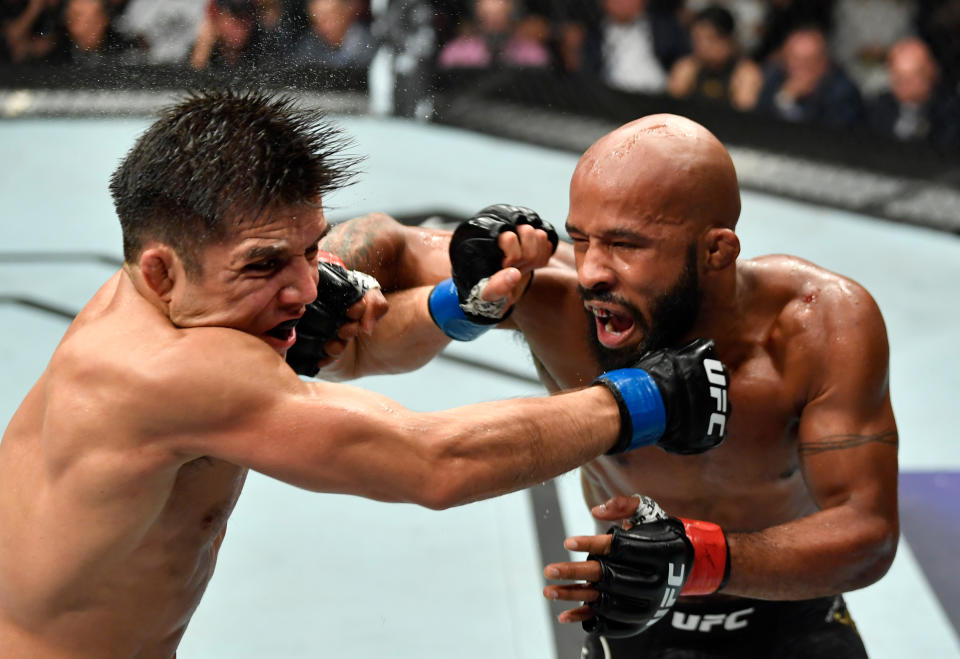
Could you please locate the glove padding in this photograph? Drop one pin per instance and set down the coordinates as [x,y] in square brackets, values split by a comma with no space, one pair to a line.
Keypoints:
[641,577]
[475,256]
[650,564]
[338,289]
[692,384]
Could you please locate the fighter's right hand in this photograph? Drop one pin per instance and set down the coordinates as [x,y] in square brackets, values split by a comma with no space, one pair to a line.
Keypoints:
[347,301]
[676,399]
[492,255]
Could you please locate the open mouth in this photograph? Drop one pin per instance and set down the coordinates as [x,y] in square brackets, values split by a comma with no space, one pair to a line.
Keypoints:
[284,331]
[613,328]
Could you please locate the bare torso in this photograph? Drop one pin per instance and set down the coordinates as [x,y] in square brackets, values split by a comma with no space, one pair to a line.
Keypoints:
[755,479]
[106,543]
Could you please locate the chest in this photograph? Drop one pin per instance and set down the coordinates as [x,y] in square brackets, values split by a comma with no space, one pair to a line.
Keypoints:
[758,454]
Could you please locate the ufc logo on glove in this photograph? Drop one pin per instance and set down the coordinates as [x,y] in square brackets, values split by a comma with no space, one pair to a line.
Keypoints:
[716,376]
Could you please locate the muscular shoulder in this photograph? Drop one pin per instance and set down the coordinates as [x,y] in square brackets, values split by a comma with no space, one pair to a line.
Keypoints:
[821,320]
[177,381]
[808,292]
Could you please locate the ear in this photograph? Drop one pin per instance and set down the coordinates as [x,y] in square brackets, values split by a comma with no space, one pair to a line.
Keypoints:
[161,268]
[723,248]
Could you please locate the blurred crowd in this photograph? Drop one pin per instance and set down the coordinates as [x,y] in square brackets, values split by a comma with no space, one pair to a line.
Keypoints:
[893,65]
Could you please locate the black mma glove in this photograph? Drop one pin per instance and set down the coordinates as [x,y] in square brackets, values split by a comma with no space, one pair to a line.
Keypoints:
[676,398]
[338,289]
[650,565]
[474,258]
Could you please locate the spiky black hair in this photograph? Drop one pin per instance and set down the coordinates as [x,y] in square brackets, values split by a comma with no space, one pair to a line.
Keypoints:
[218,159]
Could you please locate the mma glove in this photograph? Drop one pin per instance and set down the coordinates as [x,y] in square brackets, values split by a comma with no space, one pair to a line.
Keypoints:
[650,564]
[456,305]
[338,289]
[676,399]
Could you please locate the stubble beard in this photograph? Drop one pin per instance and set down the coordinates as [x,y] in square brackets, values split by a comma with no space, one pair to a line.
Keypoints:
[672,316]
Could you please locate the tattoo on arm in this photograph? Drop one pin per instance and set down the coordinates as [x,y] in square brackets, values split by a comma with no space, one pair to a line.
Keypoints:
[353,241]
[840,442]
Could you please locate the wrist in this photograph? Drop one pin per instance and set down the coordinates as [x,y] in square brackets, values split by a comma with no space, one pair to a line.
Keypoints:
[444,307]
[711,558]
[643,417]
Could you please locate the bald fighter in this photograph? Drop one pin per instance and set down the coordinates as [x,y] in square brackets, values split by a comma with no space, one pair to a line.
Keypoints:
[121,466]
[753,543]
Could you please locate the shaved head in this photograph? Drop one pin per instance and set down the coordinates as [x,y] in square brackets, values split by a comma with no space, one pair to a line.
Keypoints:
[662,169]
[653,206]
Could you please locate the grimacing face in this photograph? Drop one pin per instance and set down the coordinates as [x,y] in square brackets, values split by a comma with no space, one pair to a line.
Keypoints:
[639,283]
[671,315]
[258,281]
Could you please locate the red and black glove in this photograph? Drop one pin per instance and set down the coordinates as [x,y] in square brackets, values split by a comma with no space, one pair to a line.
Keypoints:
[652,563]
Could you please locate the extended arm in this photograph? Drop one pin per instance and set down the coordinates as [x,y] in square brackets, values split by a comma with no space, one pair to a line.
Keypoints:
[336,438]
[404,258]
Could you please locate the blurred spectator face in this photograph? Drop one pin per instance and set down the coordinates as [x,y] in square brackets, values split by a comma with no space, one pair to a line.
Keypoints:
[234,24]
[709,46]
[806,59]
[86,23]
[494,16]
[913,72]
[331,18]
[624,11]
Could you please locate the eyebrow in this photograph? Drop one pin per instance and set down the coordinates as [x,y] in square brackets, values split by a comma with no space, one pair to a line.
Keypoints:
[613,234]
[264,252]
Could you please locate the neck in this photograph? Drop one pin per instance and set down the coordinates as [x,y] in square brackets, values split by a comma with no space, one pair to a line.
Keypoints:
[721,308]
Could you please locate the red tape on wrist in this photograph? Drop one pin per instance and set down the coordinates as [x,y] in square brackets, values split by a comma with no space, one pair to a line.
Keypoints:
[330,257]
[710,557]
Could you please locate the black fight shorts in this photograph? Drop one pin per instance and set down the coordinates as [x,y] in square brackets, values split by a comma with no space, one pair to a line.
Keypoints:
[742,629]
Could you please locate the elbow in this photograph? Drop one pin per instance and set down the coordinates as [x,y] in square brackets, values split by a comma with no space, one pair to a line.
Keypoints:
[447,478]
[442,490]
[879,548]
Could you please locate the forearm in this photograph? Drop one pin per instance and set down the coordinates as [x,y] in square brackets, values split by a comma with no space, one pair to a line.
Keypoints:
[489,449]
[403,340]
[398,256]
[833,551]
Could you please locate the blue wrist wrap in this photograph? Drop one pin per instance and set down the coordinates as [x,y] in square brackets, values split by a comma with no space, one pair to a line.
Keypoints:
[444,306]
[641,406]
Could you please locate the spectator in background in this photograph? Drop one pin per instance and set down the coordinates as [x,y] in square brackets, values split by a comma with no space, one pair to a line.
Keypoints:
[91,39]
[277,27]
[634,46]
[808,86]
[167,29]
[863,32]
[335,37]
[493,39]
[916,107]
[783,17]
[748,15]
[716,70]
[29,29]
[228,36]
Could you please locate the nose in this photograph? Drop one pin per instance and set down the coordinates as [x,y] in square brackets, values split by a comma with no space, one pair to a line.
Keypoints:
[594,271]
[302,286]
